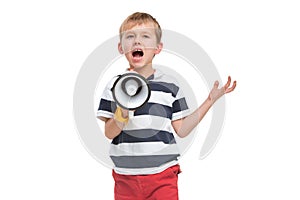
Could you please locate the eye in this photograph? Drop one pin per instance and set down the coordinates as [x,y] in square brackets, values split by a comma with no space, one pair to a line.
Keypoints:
[130,36]
[146,36]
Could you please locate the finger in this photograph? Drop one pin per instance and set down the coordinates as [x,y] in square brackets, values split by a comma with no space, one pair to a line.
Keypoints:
[124,112]
[228,83]
[216,84]
[231,88]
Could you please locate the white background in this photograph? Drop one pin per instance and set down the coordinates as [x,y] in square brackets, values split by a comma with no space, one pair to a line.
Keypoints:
[43,45]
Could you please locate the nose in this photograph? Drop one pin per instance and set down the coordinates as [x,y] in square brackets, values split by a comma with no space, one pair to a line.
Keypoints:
[137,40]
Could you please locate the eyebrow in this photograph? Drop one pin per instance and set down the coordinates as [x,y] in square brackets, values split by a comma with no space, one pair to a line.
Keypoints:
[148,32]
[128,32]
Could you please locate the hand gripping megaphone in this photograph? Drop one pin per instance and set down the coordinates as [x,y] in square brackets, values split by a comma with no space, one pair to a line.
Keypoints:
[131,91]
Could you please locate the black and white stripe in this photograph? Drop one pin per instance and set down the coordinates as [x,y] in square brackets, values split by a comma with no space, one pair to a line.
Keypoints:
[147,144]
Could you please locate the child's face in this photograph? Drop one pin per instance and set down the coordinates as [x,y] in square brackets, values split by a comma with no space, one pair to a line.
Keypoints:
[139,44]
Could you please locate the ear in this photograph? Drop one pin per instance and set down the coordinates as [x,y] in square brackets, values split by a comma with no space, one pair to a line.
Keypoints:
[120,48]
[159,48]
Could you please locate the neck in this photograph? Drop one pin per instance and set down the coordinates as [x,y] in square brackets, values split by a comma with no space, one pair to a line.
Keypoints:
[145,71]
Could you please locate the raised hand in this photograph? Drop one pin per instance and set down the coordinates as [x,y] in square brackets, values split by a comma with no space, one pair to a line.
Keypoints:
[217,92]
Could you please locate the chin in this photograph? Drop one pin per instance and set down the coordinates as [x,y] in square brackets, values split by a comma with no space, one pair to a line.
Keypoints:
[137,66]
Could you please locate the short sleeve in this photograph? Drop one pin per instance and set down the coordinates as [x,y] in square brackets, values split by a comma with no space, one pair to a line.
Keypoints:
[180,108]
[107,105]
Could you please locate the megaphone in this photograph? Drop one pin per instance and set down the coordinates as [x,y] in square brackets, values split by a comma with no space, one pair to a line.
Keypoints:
[131,91]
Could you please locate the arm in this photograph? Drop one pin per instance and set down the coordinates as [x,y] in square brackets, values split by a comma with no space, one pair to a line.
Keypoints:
[184,126]
[113,126]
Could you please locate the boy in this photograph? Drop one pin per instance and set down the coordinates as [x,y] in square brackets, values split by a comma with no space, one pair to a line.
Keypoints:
[143,147]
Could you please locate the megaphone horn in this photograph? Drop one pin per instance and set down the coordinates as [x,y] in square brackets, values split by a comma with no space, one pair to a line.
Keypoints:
[131,91]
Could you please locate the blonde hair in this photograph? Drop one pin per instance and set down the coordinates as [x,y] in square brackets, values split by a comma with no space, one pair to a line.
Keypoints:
[139,18]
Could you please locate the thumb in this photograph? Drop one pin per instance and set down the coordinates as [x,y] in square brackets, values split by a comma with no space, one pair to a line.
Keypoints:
[216,84]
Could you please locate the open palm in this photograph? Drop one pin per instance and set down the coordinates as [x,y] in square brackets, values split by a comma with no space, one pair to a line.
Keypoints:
[217,92]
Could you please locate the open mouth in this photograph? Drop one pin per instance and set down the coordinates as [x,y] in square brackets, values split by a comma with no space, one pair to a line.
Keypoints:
[137,53]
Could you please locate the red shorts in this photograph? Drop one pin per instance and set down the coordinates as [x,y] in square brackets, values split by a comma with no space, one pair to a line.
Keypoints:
[161,186]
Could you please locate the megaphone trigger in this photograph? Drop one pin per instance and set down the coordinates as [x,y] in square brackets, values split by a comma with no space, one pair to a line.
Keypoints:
[119,116]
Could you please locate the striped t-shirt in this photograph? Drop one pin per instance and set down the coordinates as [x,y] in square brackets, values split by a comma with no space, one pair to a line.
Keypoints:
[146,145]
